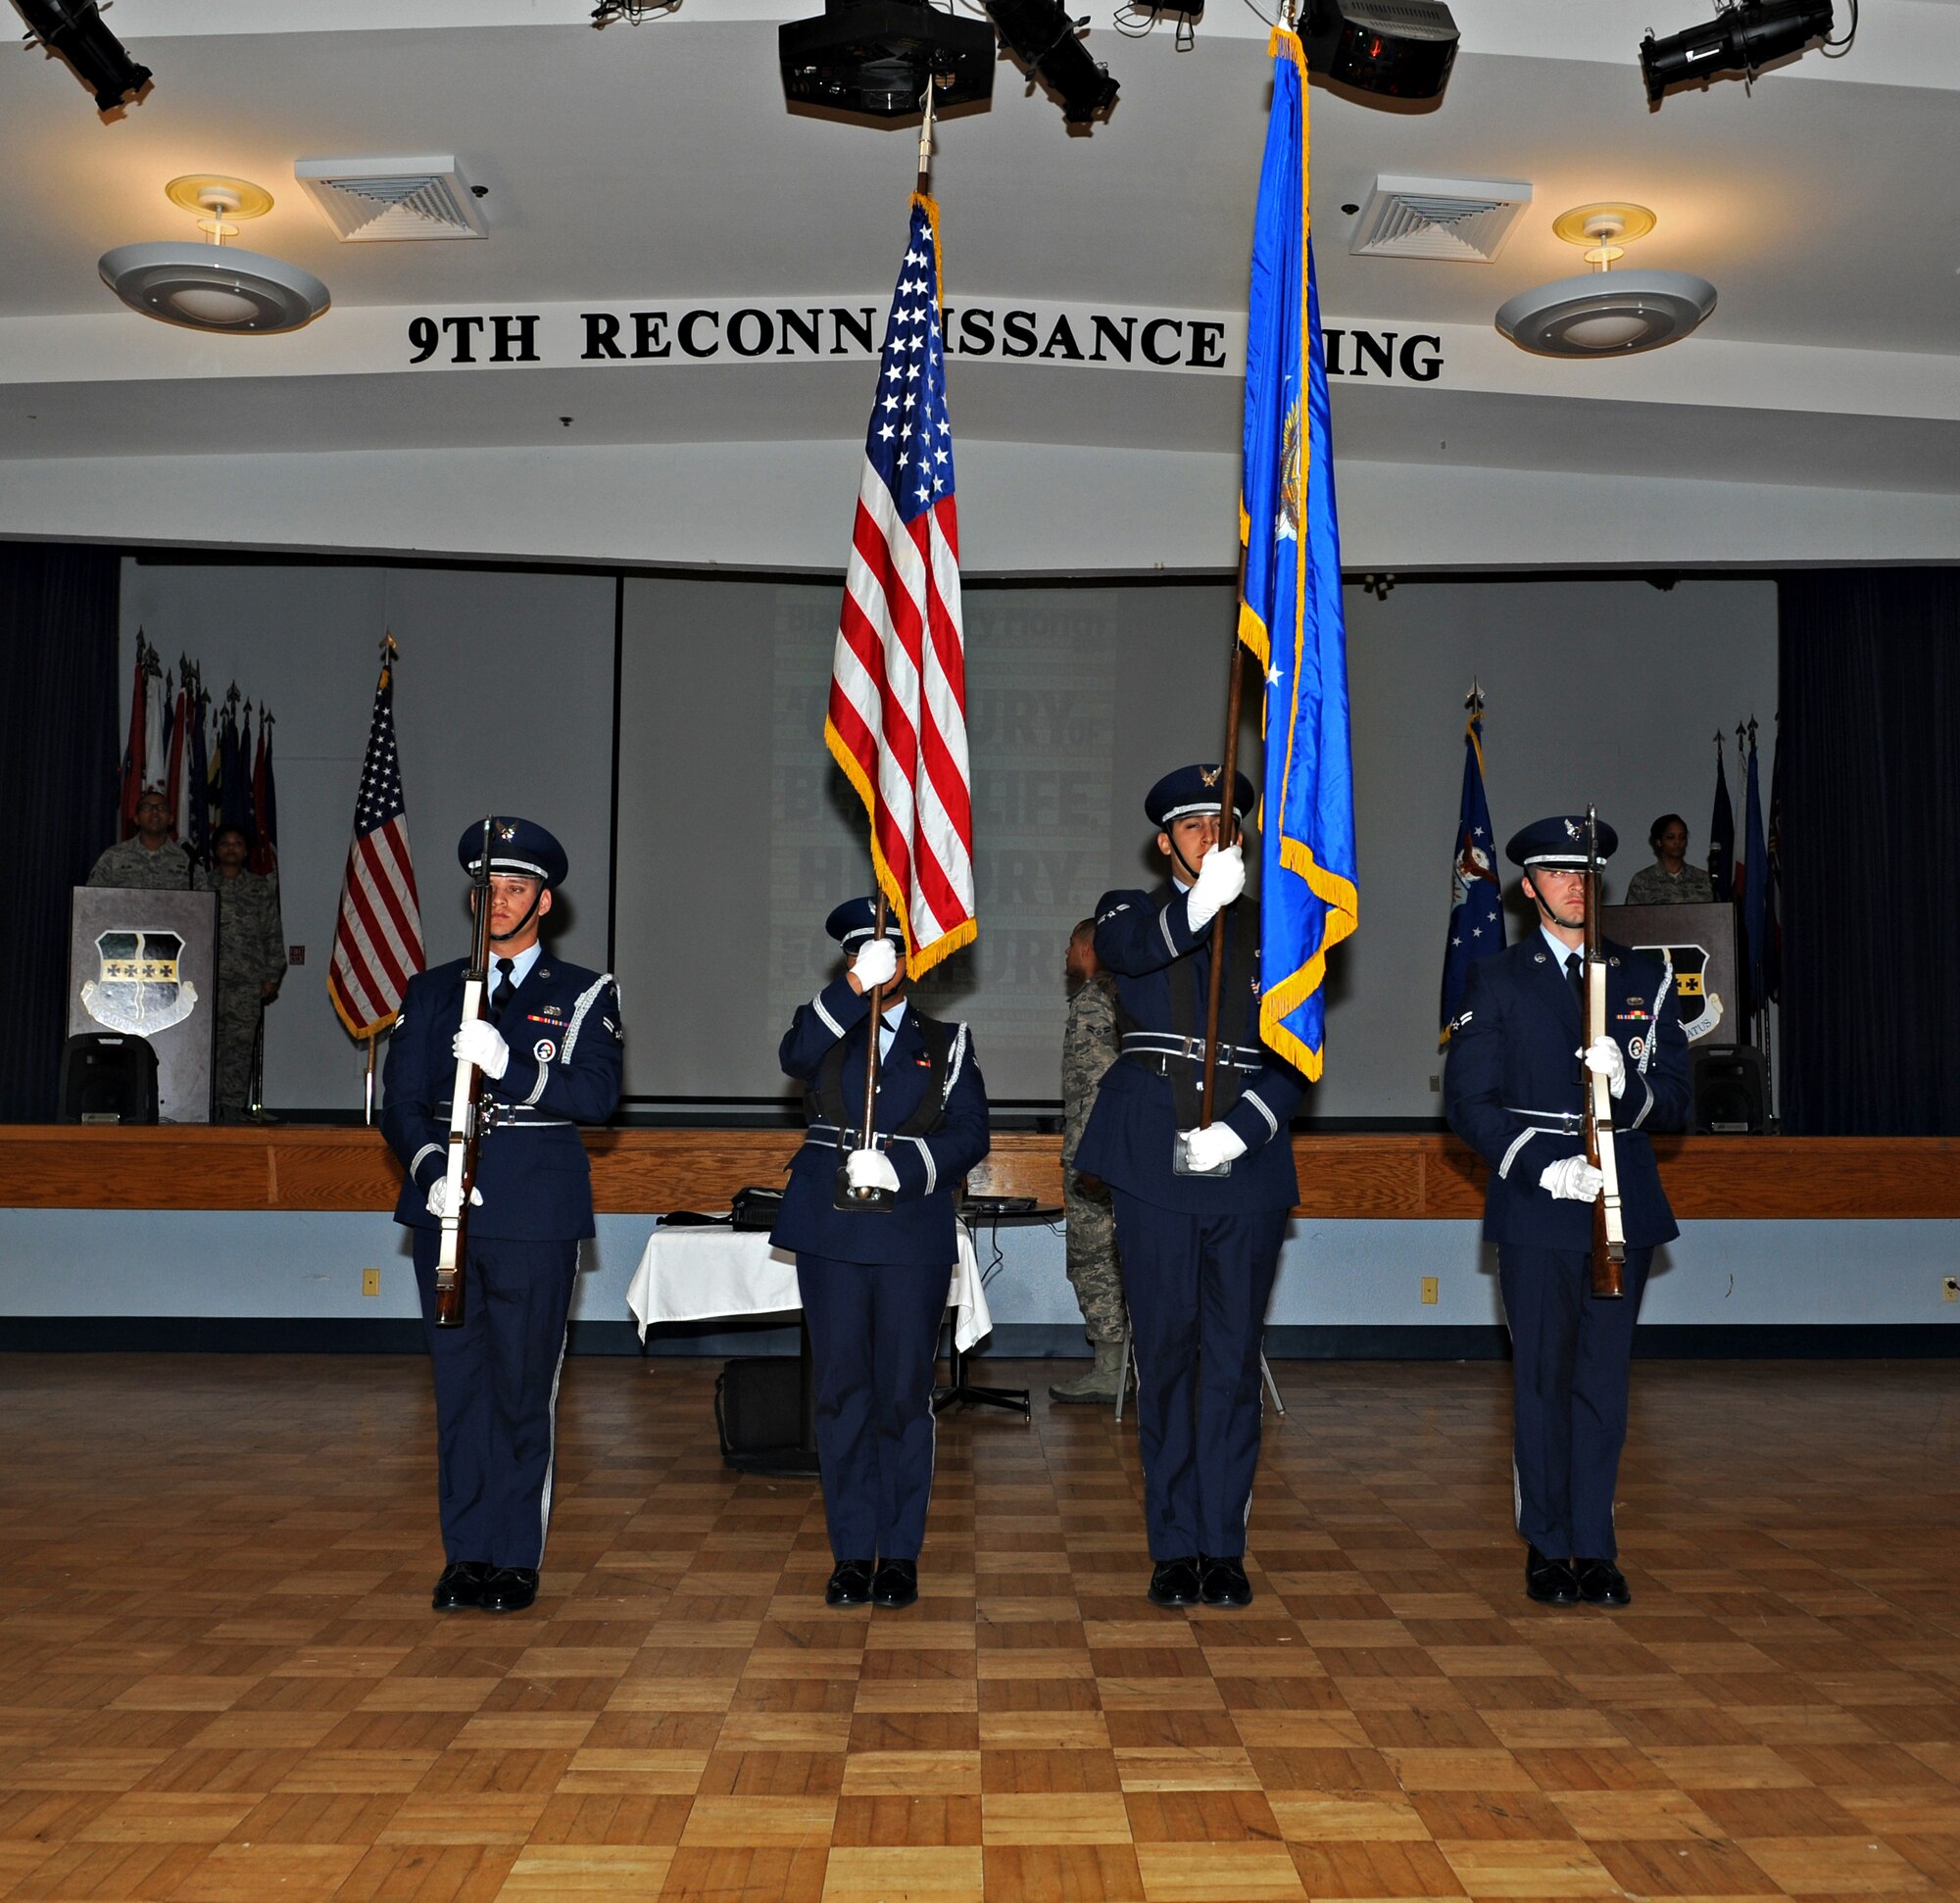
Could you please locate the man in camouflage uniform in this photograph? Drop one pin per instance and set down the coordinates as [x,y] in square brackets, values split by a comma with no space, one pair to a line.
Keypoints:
[251,963]
[1089,1048]
[151,861]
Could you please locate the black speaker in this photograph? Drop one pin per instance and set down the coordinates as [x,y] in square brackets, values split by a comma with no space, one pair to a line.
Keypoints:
[1732,1091]
[108,1078]
[758,1411]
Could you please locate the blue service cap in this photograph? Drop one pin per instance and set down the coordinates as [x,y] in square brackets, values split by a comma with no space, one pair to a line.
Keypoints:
[1193,789]
[856,919]
[519,849]
[1559,841]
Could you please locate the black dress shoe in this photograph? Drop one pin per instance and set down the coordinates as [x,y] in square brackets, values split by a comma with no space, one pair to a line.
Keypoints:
[1601,1583]
[1174,1582]
[461,1585]
[896,1583]
[510,1589]
[1550,1582]
[1223,1582]
[849,1583]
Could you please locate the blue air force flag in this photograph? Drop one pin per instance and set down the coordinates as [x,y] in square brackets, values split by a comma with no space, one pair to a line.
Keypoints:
[1290,601]
[1476,890]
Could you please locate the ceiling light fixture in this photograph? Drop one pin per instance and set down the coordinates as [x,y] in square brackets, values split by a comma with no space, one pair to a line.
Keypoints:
[1609,314]
[1400,49]
[73,30]
[214,286]
[1744,36]
[1047,40]
[877,57]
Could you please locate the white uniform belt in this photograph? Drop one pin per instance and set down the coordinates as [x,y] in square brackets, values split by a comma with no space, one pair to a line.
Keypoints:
[1163,1044]
[836,1136]
[498,1117]
[1561,1120]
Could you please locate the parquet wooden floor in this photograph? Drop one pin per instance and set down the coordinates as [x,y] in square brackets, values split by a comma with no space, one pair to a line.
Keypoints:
[220,1681]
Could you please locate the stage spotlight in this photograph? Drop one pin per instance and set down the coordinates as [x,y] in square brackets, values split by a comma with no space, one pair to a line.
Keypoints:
[1741,38]
[1044,39]
[878,57]
[73,30]
[1402,49]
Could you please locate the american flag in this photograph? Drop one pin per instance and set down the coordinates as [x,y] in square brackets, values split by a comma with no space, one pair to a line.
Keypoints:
[378,945]
[896,721]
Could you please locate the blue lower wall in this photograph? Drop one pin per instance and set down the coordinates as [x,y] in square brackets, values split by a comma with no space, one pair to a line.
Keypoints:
[79,1277]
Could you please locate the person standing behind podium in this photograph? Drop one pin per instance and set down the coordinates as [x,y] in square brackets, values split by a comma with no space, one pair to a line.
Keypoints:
[874,1281]
[1670,880]
[251,964]
[1514,1091]
[1198,1250]
[550,1052]
[150,860]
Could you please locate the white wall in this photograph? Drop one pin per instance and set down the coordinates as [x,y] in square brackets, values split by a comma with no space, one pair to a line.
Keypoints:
[1024,509]
[503,702]
[1602,691]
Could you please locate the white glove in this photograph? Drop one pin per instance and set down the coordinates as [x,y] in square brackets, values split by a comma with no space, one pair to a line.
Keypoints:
[877,964]
[1572,1179]
[1214,1142]
[1603,1058]
[483,1045]
[1221,878]
[438,1198]
[870,1169]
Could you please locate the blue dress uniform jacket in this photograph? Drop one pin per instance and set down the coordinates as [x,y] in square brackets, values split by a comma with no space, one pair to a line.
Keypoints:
[1146,941]
[1513,1089]
[874,1284]
[920,1228]
[495,1375]
[563,1030]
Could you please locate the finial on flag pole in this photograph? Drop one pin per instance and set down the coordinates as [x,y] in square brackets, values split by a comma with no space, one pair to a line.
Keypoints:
[925,139]
[1473,701]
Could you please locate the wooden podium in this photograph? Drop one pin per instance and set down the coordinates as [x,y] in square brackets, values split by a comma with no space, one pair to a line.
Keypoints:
[144,964]
[1702,941]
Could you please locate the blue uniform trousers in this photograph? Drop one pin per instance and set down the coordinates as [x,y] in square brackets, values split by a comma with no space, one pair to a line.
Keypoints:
[496,1392]
[1197,1289]
[874,1338]
[1570,1356]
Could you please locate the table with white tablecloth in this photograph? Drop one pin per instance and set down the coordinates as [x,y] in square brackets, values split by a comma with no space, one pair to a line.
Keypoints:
[705,1272]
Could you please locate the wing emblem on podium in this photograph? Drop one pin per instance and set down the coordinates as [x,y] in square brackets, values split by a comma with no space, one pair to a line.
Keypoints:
[138,987]
[1700,1005]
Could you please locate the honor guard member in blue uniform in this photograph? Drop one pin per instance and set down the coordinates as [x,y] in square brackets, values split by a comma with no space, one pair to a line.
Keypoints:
[550,1048]
[1514,1092]
[1198,1250]
[874,1281]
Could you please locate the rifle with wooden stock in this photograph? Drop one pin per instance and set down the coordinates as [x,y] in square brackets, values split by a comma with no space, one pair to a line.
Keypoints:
[463,1105]
[1609,1235]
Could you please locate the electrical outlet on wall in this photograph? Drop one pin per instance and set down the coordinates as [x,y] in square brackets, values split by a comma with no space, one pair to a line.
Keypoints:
[1430,1290]
[371,1281]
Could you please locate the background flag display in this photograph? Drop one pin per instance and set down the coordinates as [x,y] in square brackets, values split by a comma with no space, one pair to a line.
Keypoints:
[1289,604]
[1753,884]
[1722,834]
[378,943]
[1477,893]
[896,719]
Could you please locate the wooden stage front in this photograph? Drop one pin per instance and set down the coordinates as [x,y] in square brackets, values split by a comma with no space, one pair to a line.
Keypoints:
[221,1681]
[640,1171]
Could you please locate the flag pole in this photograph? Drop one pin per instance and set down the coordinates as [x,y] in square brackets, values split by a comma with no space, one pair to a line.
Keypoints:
[877,997]
[1228,835]
[367,1093]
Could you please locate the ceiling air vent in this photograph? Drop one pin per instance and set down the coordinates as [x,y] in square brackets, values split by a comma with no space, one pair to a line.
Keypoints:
[370,201]
[1461,221]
